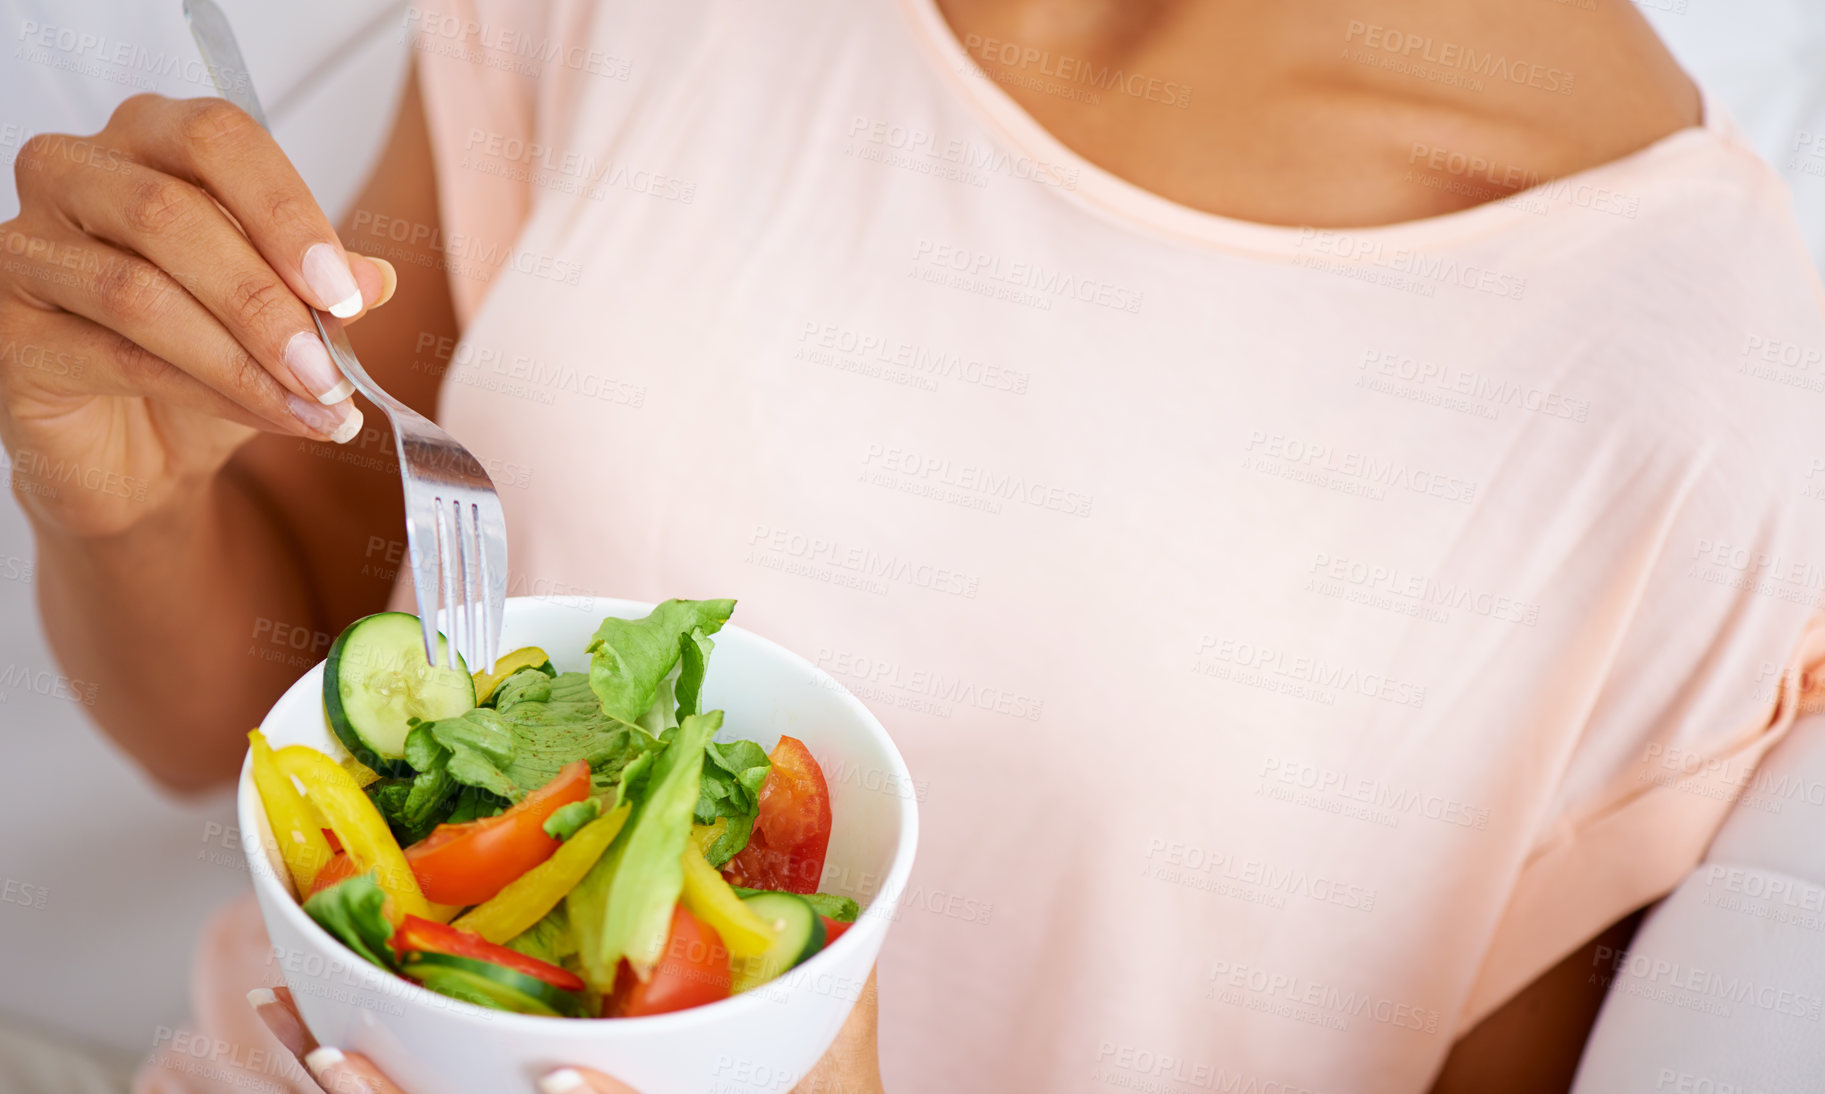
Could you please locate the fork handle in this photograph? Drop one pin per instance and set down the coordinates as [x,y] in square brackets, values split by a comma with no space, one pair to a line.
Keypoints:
[222,56]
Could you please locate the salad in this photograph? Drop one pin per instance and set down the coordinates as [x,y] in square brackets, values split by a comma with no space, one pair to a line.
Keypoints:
[572,844]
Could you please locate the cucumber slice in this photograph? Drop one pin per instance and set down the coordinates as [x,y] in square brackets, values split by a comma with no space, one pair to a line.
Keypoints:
[376,679]
[797,934]
[488,985]
[531,657]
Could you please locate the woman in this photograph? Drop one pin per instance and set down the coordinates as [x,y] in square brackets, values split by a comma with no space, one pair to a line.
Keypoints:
[1305,487]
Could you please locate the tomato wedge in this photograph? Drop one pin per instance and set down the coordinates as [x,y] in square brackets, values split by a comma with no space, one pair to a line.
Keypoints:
[833,929]
[427,936]
[792,830]
[340,867]
[694,970]
[465,864]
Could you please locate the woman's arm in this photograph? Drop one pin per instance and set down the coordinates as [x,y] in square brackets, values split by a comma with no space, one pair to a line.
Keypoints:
[190,621]
[1532,1043]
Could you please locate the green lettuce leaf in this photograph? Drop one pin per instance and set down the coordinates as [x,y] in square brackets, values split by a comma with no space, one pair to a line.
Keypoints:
[557,721]
[564,822]
[733,772]
[549,940]
[623,906]
[840,908]
[694,658]
[631,659]
[353,911]
[486,759]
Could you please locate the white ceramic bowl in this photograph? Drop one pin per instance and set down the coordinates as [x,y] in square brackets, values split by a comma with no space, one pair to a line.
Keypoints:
[763,1040]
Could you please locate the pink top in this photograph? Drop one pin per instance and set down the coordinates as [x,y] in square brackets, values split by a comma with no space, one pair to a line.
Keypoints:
[1300,639]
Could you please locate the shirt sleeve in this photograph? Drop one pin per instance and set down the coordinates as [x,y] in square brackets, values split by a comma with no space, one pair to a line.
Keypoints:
[1705,679]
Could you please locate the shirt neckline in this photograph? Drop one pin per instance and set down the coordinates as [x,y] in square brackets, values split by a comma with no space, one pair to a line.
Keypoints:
[1117,199]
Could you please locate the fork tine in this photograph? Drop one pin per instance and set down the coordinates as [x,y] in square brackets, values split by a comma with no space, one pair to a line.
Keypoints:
[421,547]
[459,584]
[465,546]
[451,567]
[479,631]
[484,618]
[491,532]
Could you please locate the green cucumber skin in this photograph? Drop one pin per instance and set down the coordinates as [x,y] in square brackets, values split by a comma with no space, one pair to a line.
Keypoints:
[497,987]
[771,906]
[395,767]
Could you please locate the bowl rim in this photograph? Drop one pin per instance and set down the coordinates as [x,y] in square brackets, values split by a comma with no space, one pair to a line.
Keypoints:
[254,824]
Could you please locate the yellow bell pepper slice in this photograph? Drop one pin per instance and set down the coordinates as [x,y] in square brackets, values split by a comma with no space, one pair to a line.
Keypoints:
[362,773]
[359,826]
[708,897]
[296,827]
[529,897]
[528,657]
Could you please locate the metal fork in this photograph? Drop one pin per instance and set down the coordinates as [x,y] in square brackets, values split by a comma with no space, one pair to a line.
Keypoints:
[455,532]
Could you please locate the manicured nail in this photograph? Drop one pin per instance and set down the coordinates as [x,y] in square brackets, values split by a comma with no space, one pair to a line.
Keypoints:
[311,364]
[280,1021]
[389,279]
[339,423]
[329,277]
[562,1081]
[320,1060]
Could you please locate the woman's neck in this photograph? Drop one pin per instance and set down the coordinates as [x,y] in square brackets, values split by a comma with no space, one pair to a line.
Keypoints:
[1328,113]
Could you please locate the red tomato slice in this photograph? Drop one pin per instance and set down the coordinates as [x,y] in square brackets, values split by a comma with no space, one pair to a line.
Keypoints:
[833,929]
[428,936]
[329,834]
[465,864]
[340,867]
[693,971]
[792,830]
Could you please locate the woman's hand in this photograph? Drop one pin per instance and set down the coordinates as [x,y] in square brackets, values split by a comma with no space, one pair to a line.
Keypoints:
[850,1067]
[154,296]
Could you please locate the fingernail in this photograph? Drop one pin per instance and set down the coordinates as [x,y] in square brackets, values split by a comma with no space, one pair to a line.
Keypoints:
[389,279]
[320,1060]
[282,1023]
[311,364]
[562,1081]
[339,423]
[329,277]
